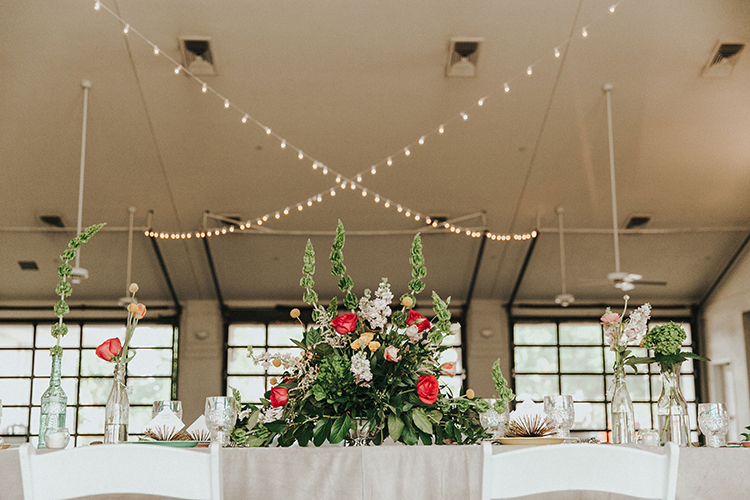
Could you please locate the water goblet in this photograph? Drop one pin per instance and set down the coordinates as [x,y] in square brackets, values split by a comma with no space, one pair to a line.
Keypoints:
[561,412]
[648,437]
[175,406]
[221,415]
[493,421]
[713,421]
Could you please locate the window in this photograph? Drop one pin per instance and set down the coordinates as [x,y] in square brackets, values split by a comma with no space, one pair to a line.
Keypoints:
[25,368]
[253,381]
[571,357]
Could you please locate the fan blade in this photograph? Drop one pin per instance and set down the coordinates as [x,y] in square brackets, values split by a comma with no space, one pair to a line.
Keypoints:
[651,283]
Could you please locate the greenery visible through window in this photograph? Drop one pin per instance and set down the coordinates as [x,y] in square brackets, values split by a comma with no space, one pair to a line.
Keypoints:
[571,357]
[253,381]
[25,368]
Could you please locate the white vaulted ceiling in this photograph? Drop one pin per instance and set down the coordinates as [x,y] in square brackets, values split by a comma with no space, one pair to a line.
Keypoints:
[351,83]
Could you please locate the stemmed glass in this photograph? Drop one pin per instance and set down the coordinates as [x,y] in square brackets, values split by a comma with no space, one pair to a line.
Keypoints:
[221,415]
[713,421]
[561,412]
[175,406]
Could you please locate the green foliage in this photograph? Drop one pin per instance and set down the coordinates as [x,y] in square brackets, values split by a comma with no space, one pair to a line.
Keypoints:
[504,394]
[665,339]
[746,435]
[59,330]
[418,269]
[333,379]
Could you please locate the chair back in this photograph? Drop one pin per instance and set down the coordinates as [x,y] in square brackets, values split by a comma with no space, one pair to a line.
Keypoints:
[146,469]
[608,468]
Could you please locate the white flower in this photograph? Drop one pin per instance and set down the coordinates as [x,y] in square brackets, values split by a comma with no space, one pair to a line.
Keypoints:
[376,312]
[413,333]
[269,414]
[361,367]
[455,328]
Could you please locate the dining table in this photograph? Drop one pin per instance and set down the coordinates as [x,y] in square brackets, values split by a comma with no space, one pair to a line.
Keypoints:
[448,472]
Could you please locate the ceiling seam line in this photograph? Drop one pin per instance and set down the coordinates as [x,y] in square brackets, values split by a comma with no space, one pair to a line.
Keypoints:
[538,142]
[159,157]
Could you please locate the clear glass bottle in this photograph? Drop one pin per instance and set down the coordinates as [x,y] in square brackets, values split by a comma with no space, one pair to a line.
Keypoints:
[622,414]
[54,401]
[117,411]
[674,422]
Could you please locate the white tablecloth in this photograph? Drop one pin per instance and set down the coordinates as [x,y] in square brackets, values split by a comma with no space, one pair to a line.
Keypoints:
[414,473]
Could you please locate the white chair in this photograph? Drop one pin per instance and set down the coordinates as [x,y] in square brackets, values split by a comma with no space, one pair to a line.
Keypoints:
[606,468]
[122,468]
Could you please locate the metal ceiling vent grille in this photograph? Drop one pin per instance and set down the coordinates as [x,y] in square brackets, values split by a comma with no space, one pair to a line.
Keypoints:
[463,55]
[723,60]
[196,52]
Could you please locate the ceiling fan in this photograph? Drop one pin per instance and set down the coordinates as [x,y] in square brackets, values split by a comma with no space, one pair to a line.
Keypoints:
[619,279]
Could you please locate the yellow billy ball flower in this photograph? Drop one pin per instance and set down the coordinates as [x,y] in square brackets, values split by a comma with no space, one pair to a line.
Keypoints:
[276,362]
[294,313]
[407,302]
[469,393]
[273,380]
[133,287]
[133,308]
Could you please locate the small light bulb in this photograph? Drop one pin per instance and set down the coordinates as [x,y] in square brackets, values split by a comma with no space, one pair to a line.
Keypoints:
[231,229]
[126,29]
[434,224]
[480,102]
[557,52]
[529,70]
[244,120]
[333,192]
[359,177]
[325,170]
[353,186]
[299,206]
[97,5]
[265,218]
[389,161]
[156,53]
[441,129]
[377,198]
[189,235]
[387,203]
[407,213]
[468,233]
[315,165]
[407,152]
[283,144]
[421,140]
[223,230]
[464,116]
[373,170]
[204,88]
[319,198]
[612,8]
[226,103]
[417,217]
[364,192]
[343,185]
[428,221]
[259,222]
[309,202]
[446,225]
[506,88]
[301,155]
[177,70]
[584,32]
[338,179]
[286,211]
[268,131]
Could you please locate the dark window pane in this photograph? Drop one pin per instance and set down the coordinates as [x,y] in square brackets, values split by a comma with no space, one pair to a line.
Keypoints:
[580,333]
[535,333]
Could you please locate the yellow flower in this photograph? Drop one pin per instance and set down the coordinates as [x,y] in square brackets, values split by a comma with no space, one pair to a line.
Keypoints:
[407,302]
[374,346]
[294,313]
[355,345]
[273,380]
[469,393]
[133,287]
[276,362]
[366,337]
[133,307]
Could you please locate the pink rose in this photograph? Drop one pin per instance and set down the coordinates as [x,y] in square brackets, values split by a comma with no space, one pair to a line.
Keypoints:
[279,396]
[610,318]
[391,354]
[344,323]
[109,349]
[141,311]
[414,318]
[427,389]
[448,369]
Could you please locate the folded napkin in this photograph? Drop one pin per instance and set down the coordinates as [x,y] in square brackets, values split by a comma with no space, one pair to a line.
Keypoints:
[166,426]
[198,430]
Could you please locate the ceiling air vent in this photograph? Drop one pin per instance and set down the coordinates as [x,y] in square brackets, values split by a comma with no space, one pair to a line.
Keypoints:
[52,220]
[28,265]
[463,55]
[196,52]
[637,221]
[723,60]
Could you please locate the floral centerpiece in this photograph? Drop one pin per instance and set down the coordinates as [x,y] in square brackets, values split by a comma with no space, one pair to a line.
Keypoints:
[619,333]
[117,411]
[371,371]
[666,343]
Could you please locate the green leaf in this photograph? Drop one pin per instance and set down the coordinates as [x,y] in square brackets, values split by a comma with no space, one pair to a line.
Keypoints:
[323,349]
[304,434]
[321,430]
[340,429]
[638,360]
[421,420]
[409,435]
[395,426]
[350,301]
[435,415]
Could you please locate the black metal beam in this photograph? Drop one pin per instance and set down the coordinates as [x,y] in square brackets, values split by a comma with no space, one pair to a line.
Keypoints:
[522,272]
[165,273]
[215,278]
[724,272]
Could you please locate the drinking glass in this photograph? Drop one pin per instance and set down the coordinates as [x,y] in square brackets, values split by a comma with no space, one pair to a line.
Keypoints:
[175,406]
[494,422]
[561,412]
[221,415]
[713,421]
[648,437]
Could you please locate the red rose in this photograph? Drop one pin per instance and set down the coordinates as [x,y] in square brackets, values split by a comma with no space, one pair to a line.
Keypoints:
[109,349]
[345,323]
[279,396]
[414,318]
[427,389]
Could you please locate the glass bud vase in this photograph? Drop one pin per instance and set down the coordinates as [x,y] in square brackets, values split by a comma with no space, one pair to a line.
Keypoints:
[54,402]
[622,414]
[360,434]
[674,422]
[117,411]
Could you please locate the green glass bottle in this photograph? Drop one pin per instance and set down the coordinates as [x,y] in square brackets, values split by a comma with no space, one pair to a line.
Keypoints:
[54,402]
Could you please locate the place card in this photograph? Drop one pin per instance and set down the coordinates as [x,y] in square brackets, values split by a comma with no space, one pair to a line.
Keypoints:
[198,430]
[166,426]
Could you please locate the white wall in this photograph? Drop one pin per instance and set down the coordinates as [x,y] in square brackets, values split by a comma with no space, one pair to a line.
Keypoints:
[725,341]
